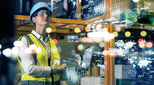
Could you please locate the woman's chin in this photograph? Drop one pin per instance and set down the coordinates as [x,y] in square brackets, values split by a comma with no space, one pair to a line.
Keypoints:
[45,22]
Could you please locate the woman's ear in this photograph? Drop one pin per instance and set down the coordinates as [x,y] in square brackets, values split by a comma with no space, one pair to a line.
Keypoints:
[34,19]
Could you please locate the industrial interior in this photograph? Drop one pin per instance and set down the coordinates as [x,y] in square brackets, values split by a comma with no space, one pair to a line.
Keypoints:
[103,42]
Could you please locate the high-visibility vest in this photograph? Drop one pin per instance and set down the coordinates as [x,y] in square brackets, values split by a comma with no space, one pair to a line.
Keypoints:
[41,59]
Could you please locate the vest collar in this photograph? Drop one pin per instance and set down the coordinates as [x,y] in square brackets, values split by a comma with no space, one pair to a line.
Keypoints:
[38,36]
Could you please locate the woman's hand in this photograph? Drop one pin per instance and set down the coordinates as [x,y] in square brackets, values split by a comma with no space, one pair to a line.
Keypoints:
[58,67]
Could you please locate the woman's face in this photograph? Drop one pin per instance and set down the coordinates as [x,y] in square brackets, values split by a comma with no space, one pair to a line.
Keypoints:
[41,18]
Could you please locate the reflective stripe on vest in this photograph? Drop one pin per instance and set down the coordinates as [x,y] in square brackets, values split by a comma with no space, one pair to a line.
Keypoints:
[42,59]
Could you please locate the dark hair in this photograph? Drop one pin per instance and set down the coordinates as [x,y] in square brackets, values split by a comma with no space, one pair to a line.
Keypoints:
[33,16]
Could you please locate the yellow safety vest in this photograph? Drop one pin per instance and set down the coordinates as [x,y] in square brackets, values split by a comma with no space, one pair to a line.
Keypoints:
[42,60]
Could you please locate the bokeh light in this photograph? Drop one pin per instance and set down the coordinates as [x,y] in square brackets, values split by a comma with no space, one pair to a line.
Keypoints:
[18,43]
[15,52]
[28,50]
[141,45]
[149,44]
[7,52]
[135,1]
[77,30]
[127,34]
[140,40]
[105,52]
[0,46]
[87,29]
[80,47]
[105,29]
[48,30]
[38,50]
[115,34]
[55,41]
[143,33]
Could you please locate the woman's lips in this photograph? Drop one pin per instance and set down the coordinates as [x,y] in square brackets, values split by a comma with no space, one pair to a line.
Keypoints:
[45,20]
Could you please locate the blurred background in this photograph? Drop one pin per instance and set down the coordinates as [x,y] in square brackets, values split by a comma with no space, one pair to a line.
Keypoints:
[106,42]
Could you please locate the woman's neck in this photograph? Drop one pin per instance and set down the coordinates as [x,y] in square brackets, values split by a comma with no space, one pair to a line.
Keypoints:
[40,29]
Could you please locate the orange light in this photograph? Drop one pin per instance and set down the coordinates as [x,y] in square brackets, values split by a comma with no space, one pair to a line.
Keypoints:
[87,29]
[55,40]
[149,44]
